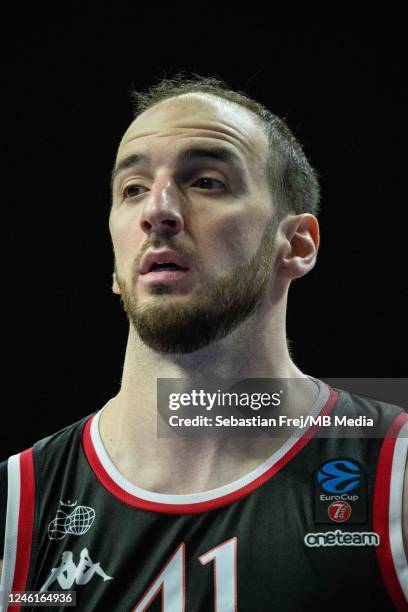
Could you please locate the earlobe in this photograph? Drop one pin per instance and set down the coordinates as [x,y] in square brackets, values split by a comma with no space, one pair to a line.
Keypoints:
[115,286]
[300,245]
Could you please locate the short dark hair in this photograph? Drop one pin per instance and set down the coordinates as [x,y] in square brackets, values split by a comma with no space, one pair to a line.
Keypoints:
[292,179]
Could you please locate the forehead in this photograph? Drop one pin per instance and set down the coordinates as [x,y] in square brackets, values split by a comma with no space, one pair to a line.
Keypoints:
[192,118]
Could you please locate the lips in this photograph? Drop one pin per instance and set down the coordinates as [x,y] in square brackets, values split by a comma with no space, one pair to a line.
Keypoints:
[163,261]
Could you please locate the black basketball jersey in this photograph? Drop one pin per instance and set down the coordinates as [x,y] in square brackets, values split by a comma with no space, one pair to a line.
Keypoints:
[317,526]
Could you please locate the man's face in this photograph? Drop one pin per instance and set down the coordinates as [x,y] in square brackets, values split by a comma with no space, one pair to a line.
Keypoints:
[192,222]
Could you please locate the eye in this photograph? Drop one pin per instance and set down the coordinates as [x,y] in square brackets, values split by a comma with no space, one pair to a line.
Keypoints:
[132,190]
[208,183]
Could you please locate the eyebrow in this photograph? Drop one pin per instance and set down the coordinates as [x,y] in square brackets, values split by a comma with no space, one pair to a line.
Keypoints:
[195,154]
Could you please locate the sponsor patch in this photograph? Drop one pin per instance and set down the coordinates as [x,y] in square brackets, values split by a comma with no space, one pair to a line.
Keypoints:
[340,492]
[339,511]
[74,520]
[342,538]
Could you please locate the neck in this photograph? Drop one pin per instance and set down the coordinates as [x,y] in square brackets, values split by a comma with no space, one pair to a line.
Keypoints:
[257,349]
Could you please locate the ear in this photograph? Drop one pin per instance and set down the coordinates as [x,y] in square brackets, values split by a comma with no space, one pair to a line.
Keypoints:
[299,243]
[115,286]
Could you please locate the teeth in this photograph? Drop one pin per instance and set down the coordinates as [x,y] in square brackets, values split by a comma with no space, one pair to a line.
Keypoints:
[165,265]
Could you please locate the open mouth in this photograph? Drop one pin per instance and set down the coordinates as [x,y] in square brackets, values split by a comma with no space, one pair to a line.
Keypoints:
[165,271]
[160,267]
[166,266]
[163,266]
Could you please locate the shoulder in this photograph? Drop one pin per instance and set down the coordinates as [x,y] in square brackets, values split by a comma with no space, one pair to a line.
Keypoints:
[23,471]
[3,502]
[3,507]
[387,448]
[55,448]
[382,415]
[51,443]
[61,437]
[361,402]
[35,469]
[42,459]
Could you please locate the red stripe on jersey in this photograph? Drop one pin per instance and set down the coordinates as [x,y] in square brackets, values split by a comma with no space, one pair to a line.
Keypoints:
[204,506]
[381,506]
[25,522]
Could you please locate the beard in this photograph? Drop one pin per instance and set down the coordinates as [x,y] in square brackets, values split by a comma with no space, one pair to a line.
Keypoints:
[211,313]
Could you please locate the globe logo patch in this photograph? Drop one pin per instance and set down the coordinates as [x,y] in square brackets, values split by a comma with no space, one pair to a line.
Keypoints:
[339,476]
[77,522]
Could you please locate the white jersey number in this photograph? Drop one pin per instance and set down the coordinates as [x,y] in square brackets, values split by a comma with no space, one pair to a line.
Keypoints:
[171,584]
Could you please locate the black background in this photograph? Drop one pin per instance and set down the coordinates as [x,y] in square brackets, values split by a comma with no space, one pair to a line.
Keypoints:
[65,83]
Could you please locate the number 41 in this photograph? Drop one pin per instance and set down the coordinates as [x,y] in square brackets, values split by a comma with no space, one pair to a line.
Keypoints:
[170,582]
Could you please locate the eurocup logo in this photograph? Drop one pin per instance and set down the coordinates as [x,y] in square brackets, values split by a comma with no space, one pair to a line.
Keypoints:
[339,476]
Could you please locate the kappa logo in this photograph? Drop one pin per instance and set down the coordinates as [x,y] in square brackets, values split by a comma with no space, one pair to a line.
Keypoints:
[339,476]
[67,573]
[77,522]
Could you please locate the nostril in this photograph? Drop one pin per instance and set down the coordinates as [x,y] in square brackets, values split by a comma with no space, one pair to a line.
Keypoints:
[161,224]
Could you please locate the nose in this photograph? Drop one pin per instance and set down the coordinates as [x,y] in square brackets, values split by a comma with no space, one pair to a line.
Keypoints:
[162,212]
